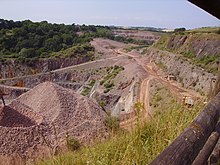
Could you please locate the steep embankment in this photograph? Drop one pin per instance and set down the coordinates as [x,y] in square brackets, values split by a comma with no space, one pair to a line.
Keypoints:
[201,48]
[184,71]
[190,57]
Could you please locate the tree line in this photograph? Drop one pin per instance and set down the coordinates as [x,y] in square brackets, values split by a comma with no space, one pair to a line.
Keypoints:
[34,40]
[27,39]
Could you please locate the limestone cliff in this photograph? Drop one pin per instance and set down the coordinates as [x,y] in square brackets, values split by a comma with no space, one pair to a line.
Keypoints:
[194,44]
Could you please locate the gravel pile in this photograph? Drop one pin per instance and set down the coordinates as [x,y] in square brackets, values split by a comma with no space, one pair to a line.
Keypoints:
[68,112]
[44,116]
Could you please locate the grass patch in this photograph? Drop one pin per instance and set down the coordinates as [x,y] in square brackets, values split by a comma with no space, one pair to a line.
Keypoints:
[112,123]
[139,147]
[87,89]
[107,80]
[205,30]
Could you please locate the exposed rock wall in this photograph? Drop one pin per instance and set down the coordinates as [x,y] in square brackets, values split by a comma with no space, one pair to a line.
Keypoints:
[189,75]
[33,80]
[198,44]
[12,68]
[13,92]
[125,104]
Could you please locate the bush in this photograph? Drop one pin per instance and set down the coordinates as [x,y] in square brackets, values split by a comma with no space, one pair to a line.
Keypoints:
[179,29]
[102,82]
[107,90]
[102,103]
[72,144]
[86,91]
[109,85]
[112,123]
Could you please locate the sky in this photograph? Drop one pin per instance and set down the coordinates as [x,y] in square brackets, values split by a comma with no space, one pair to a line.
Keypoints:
[149,13]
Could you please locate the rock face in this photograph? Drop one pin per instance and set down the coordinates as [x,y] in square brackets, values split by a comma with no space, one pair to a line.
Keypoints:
[189,75]
[199,44]
[12,68]
[45,115]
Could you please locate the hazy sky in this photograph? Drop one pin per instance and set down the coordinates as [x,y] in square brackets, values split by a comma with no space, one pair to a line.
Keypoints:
[156,13]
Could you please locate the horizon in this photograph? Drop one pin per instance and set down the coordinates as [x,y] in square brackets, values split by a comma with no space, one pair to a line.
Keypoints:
[168,14]
[117,26]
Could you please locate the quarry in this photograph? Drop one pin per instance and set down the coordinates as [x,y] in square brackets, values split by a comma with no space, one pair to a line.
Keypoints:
[63,103]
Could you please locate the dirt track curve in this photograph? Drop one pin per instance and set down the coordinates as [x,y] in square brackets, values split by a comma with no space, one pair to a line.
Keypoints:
[151,69]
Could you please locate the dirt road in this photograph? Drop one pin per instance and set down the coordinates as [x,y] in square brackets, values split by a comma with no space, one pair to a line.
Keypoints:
[151,69]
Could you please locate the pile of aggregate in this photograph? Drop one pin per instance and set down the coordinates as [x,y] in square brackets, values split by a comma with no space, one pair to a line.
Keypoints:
[45,116]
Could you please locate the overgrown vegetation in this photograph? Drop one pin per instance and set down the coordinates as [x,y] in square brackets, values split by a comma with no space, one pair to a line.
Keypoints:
[102,103]
[107,81]
[27,40]
[139,147]
[112,123]
[130,40]
[79,50]
[87,89]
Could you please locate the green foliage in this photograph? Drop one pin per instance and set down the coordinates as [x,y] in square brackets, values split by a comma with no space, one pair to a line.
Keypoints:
[79,50]
[72,144]
[86,91]
[158,98]
[107,80]
[112,123]
[109,85]
[179,29]
[189,51]
[102,103]
[205,30]
[92,82]
[131,40]
[27,39]
[107,90]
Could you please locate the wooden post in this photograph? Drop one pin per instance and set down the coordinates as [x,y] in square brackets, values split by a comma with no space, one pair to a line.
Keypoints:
[206,151]
[215,156]
[188,144]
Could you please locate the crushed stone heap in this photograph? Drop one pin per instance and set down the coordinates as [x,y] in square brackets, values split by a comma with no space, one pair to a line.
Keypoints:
[68,111]
[46,115]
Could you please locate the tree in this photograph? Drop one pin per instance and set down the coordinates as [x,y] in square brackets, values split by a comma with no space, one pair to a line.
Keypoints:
[179,30]
[27,53]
